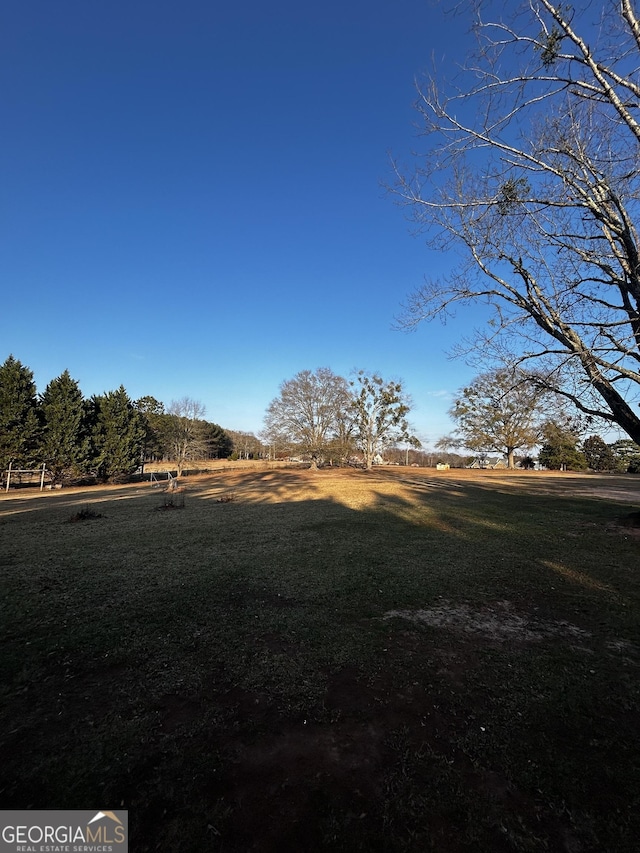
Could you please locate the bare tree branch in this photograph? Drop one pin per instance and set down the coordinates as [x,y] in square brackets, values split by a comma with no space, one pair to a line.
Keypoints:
[533,174]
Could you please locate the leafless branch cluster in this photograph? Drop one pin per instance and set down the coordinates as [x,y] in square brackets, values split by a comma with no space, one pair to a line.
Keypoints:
[532,171]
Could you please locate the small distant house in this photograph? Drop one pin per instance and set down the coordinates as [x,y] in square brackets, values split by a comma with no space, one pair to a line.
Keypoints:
[442,466]
[489,463]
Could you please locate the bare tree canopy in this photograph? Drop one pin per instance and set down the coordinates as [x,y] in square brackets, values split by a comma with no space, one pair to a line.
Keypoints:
[532,175]
[308,415]
[186,434]
[498,412]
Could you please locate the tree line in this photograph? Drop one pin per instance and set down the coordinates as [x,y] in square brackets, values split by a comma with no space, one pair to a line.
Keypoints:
[319,416]
[329,419]
[505,411]
[108,436]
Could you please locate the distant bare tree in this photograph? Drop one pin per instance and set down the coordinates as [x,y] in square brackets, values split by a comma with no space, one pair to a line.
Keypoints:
[531,173]
[186,437]
[308,413]
[245,444]
[499,412]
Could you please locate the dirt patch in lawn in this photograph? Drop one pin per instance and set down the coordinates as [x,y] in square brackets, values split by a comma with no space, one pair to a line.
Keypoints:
[627,525]
[500,621]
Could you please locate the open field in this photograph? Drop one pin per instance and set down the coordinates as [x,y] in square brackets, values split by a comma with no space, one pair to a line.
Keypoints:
[401,660]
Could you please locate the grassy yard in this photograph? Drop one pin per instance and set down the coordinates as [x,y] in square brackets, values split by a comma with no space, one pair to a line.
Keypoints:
[283,660]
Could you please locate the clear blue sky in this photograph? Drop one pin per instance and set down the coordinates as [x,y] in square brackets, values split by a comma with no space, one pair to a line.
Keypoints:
[192,201]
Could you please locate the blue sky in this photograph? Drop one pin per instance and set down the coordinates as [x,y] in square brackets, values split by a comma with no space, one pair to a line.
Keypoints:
[192,197]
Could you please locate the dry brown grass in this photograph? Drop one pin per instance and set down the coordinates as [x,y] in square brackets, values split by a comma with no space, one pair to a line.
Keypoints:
[355,487]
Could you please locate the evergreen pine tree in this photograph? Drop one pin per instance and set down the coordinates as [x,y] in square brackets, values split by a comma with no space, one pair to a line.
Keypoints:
[218,442]
[118,433]
[627,455]
[19,415]
[152,411]
[598,454]
[63,445]
[560,448]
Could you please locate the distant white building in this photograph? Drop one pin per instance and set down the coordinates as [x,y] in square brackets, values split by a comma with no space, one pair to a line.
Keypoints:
[488,462]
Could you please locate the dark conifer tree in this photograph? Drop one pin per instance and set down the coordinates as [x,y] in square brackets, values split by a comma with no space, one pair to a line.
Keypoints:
[598,454]
[19,421]
[218,443]
[560,447]
[117,433]
[64,444]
